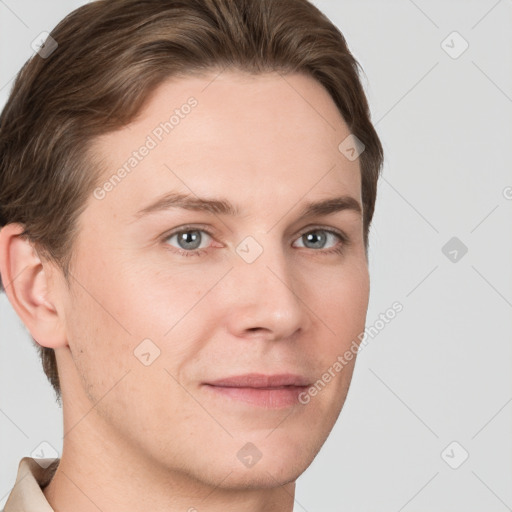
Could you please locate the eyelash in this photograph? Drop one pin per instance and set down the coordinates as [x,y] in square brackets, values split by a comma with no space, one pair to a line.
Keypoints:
[339,249]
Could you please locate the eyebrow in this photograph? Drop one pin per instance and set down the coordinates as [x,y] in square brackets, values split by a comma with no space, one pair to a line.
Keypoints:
[221,206]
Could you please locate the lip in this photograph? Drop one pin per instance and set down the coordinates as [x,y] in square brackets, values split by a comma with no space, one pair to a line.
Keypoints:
[268,391]
[260,380]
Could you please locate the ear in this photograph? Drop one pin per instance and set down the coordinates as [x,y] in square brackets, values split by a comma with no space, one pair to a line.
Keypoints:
[28,288]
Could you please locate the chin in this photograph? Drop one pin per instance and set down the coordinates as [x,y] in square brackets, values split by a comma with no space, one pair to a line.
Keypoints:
[276,465]
[262,476]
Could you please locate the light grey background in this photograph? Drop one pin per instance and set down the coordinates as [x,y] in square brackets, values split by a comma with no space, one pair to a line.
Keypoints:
[441,370]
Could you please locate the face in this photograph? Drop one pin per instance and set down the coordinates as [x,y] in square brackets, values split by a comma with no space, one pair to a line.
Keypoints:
[165,302]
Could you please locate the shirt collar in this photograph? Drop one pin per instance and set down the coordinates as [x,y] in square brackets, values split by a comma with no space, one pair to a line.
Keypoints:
[27,494]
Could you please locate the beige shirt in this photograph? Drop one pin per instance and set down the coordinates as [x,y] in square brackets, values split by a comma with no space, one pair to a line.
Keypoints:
[27,494]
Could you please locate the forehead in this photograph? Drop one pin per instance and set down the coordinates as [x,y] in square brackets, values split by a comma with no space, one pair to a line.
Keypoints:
[267,137]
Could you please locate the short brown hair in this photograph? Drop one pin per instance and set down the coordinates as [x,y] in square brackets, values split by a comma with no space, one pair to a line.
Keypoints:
[111,55]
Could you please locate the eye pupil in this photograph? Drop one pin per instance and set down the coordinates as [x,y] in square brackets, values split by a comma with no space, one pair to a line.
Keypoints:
[190,237]
[315,238]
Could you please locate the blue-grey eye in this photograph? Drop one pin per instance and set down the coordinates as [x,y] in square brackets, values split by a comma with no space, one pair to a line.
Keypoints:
[190,239]
[317,238]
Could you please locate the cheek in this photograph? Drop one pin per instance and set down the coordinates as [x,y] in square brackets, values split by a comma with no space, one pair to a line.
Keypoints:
[153,317]
[341,298]
[99,341]
[171,304]
[139,301]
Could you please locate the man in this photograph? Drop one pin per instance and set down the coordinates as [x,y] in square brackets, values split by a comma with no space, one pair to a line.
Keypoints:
[186,190]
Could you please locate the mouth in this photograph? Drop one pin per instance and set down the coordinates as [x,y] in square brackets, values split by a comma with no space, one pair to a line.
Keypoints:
[267,391]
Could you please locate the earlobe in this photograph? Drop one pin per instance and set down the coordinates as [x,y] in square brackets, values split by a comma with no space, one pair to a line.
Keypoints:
[28,289]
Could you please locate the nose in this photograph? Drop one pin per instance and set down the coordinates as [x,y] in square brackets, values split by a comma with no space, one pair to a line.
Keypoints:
[265,295]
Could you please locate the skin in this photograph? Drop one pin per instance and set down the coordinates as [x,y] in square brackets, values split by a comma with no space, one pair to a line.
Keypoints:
[153,437]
